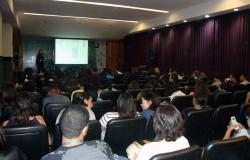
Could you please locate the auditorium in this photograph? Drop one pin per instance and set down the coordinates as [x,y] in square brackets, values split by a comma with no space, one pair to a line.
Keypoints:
[124,80]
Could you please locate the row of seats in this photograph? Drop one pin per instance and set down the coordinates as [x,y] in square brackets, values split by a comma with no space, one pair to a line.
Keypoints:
[231,149]
[33,141]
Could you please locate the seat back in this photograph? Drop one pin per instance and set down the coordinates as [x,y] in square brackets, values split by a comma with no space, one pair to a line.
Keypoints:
[159,92]
[120,133]
[223,98]
[237,87]
[134,92]
[182,102]
[33,141]
[94,131]
[110,95]
[51,112]
[222,117]
[120,86]
[230,149]
[239,97]
[164,99]
[198,125]
[212,88]
[102,107]
[192,153]
[241,117]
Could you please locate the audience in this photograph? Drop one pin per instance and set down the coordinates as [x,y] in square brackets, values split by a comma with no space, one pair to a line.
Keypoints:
[54,96]
[74,127]
[168,127]
[149,104]
[217,82]
[243,80]
[200,95]
[247,97]
[81,89]
[240,130]
[126,109]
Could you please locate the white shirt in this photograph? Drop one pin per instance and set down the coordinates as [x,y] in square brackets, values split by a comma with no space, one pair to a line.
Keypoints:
[153,148]
[245,82]
[91,114]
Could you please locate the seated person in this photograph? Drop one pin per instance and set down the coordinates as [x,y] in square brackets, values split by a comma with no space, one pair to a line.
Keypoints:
[10,153]
[149,104]
[247,97]
[74,127]
[85,100]
[217,82]
[81,89]
[243,80]
[240,130]
[168,127]
[54,96]
[126,109]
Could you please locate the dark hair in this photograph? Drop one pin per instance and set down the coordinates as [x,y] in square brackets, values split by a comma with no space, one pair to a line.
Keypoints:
[201,93]
[168,123]
[126,106]
[247,113]
[21,117]
[80,97]
[150,96]
[2,139]
[73,120]
[9,94]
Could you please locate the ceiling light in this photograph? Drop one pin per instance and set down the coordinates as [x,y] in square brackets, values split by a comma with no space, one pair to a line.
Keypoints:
[207,16]
[153,28]
[167,25]
[236,9]
[91,18]
[185,21]
[113,5]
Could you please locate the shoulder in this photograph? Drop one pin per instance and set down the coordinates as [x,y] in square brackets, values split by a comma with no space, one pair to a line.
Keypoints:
[55,155]
[101,146]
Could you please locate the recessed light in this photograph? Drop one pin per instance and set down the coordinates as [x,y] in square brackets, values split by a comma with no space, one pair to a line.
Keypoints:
[236,9]
[167,25]
[207,16]
[112,5]
[185,21]
[91,18]
[153,28]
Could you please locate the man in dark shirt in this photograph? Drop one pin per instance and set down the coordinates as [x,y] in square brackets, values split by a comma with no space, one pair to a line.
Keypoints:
[54,97]
[74,127]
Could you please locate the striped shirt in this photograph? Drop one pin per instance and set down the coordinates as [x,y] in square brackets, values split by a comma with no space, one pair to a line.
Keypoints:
[105,119]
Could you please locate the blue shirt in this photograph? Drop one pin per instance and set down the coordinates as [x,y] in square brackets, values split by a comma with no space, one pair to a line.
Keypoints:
[147,113]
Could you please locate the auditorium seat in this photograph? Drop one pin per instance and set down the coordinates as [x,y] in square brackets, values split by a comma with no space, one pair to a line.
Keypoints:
[241,117]
[239,97]
[222,117]
[237,87]
[159,92]
[247,87]
[134,92]
[164,99]
[230,149]
[198,125]
[33,141]
[110,95]
[212,88]
[182,102]
[192,153]
[102,107]
[223,98]
[51,112]
[121,87]
[138,105]
[120,133]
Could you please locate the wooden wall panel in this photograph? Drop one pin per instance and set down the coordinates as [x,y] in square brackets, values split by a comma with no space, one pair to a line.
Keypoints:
[115,54]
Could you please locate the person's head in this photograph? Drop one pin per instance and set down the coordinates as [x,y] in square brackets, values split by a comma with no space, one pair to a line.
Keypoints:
[216,77]
[40,51]
[201,93]
[247,115]
[2,139]
[242,77]
[148,100]
[168,123]
[85,99]
[21,116]
[74,122]
[126,106]
[53,89]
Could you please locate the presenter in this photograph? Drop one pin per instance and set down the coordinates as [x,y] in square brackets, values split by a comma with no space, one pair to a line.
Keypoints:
[40,61]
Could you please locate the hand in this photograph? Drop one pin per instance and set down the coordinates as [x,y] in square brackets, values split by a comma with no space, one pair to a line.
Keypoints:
[241,126]
[231,127]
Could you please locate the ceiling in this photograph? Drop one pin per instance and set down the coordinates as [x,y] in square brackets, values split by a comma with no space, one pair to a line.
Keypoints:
[90,29]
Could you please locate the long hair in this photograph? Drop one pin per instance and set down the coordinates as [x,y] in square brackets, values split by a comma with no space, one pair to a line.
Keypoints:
[126,106]
[168,123]
[21,117]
